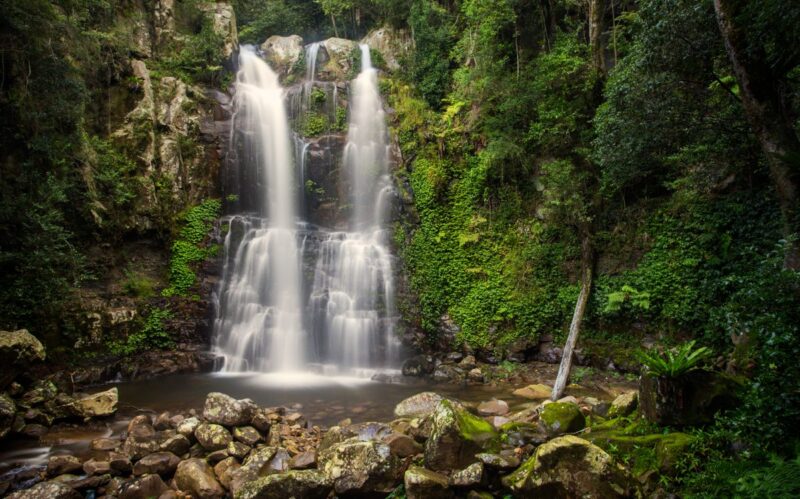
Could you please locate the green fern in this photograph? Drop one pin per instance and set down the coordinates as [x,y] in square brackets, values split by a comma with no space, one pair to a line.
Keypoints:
[674,362]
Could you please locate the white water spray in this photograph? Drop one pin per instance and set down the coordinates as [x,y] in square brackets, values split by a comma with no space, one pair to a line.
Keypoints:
[353,286]
[259,324]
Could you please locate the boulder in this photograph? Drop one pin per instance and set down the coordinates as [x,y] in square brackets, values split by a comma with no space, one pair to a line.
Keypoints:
[468,363]
[119,463]
[418,366]
[569,466]
[213,436]
[689,400]
[176,444]
[417,406]
[470,476]
[238,450]
[561,417]
[96,467]
[426,484]
[456,436]
[283,52]
[261,462]
[99,404]
[447,373]
[493,408]
[476,375]
[624,404]
[534,392]
[188,426]
[7,411]
[162,422]
[306,484]
[366,467]
[47,490]
[304,460]
[59,465]
[196,477]
[158,463]
[340,64]
[225,410]
[141,441]
[247,435]
[393,45]
[225,469]
[18,350]
[106,444]
[498,461]
[143,487]
[402,445]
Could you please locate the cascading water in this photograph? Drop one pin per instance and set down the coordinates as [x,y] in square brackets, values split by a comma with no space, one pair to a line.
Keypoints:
[352,297]
[350,316]
[259,323]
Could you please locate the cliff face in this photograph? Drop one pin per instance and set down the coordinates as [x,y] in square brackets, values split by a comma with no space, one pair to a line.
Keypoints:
[113,128]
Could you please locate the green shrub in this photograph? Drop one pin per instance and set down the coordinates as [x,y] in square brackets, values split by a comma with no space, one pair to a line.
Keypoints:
[314,124]
[674,362]
[138,285]
[152,335]
[187,249]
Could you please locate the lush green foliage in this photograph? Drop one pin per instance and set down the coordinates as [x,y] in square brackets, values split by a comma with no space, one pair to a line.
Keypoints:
[198,58]
[187,249]
[673,362]
[151,334]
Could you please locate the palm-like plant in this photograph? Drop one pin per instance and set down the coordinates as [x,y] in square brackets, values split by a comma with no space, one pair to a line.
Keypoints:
[674,362]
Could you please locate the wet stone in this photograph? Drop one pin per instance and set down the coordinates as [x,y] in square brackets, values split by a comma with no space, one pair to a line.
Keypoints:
[59,465]
[247,435]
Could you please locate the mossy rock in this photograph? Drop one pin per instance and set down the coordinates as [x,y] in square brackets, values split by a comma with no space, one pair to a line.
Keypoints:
[569,466]
[456,436]
[561,417]
[647,451]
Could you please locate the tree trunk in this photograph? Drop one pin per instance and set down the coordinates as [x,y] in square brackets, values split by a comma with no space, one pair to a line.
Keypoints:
[587,261]
[765,106]
[597,10]
[335,31]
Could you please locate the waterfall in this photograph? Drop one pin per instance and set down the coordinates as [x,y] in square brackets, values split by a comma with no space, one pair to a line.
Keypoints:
[352,298]
[259,324]
[271,314]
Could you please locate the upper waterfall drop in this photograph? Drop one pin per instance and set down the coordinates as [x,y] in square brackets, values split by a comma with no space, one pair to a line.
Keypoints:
[259,320]
[353,295]
[366,155]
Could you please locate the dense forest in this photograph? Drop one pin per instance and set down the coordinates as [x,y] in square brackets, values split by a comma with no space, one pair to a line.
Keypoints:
[627,171]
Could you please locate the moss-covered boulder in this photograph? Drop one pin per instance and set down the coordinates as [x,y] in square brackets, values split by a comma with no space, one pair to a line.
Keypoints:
[213,436]
[309,484]
[363,467]
[646,452]
[225,410]
[624,404]
[569,466]
[561,417]
[98,404]
[196,477]
[419,405]
[18,350]
[262,462]
[426,484]
[456,436]
[283,52]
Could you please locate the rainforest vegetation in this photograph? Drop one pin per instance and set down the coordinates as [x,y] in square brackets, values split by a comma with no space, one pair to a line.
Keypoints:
[630,167]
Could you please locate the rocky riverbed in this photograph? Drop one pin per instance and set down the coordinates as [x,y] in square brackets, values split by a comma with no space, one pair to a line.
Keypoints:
[434,446]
